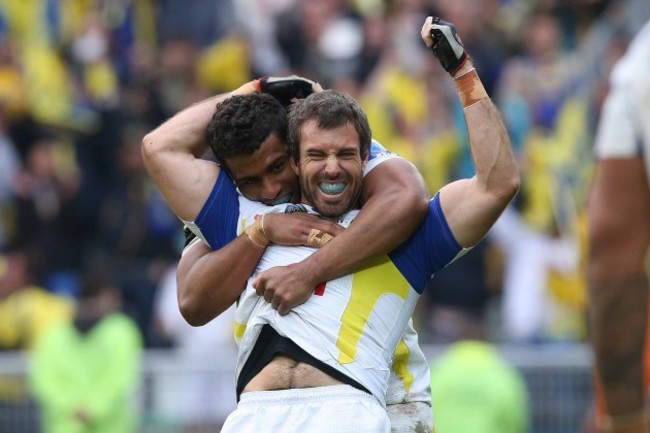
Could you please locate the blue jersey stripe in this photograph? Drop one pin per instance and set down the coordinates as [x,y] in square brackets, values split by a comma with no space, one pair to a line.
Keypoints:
[218,217]
[428,250]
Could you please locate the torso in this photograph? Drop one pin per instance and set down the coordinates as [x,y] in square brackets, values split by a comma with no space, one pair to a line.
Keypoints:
[286,373]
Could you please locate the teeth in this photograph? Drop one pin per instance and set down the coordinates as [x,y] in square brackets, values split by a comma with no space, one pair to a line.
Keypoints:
[332,188]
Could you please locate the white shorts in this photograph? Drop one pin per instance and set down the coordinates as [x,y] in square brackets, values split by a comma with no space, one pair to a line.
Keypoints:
[325,409]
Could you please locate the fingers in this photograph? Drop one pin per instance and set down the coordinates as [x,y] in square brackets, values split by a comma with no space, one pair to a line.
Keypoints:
[318,238]
[283,308]
[258,285]
[426,32]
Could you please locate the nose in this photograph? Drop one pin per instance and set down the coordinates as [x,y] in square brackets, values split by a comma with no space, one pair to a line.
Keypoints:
[270,189]
[332,167]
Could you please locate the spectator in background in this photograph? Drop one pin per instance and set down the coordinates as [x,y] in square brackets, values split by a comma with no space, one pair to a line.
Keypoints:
[83,372]
[456,300]
[475,390]
[545,107]
[619,210]
[201,398]
[138,232]
[27,311]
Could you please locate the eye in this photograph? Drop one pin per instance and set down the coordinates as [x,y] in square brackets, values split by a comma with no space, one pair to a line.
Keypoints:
[348,154]
[316,156]
[246,183]
[277,167]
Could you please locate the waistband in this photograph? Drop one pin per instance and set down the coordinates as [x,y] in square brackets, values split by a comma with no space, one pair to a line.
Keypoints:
[302,395]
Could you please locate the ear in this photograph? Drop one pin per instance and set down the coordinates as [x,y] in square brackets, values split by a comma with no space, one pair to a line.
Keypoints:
[294,166]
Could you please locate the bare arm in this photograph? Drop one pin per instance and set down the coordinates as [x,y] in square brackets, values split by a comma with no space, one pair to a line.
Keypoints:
[203,291]
[619,235]
[471,206]
[210,281]
[172,156]
[396,204]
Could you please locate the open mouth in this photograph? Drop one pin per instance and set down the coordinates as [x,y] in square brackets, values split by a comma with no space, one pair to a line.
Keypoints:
[332,188]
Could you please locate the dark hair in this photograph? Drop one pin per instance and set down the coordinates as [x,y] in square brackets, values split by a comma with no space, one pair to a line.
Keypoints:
[331,109]
[242,122]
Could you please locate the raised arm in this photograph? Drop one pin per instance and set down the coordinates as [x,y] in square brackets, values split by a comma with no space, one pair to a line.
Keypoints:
[172,156]
[471,206]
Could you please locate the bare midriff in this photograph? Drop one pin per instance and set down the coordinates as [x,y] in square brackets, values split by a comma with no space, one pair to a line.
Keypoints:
[286,373]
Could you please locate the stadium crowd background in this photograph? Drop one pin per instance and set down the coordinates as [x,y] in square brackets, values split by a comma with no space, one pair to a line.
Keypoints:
[82,81]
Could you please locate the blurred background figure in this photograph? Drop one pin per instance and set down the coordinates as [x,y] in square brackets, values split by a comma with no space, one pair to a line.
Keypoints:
[27,311]
[203,396]
[84,372]
[543,96]
[619,209]
[474,390]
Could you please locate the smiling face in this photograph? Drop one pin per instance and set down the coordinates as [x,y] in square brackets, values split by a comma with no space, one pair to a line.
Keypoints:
[330,168]
[266,175]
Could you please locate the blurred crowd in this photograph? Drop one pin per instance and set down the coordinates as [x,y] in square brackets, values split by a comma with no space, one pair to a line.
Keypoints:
[82,81]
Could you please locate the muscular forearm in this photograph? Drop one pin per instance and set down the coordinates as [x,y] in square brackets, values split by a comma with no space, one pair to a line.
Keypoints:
[494,161]
[209,282]
[397,202]
[185,133]
[472,206]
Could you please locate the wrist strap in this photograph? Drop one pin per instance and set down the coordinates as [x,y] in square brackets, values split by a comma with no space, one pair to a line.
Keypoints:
[470,88]
[256,232]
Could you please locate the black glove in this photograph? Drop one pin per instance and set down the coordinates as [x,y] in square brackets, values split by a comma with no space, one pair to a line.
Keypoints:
[285,89]
[447,46]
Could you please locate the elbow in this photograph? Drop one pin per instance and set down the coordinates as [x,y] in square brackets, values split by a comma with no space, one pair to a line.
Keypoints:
[419,206]
[509,186]
[148,148]
[512,185]
[191,311]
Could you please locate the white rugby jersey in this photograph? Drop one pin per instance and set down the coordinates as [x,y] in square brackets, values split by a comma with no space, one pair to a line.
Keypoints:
[624,126]
[353,323]
[227,214]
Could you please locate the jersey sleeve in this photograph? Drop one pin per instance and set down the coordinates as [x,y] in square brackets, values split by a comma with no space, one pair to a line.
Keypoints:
[431,248]
[216,223]
[377,155]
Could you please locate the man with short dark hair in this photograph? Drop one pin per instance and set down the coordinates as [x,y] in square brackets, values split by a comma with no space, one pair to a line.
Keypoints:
[327,360]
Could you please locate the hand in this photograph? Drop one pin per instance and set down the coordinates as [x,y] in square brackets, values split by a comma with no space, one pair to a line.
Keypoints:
[287,89]
[441,37]
[295,228]
[285,287]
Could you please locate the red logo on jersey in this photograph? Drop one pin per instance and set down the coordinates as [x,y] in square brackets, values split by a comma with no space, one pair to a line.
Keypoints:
[320,289]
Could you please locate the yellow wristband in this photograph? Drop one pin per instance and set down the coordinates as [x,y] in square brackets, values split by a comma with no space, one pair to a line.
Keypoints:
[470,88]
[256,232]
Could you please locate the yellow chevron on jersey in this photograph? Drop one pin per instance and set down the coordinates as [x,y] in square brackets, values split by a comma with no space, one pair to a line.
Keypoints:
[365,293]
[400,366]
[239,329]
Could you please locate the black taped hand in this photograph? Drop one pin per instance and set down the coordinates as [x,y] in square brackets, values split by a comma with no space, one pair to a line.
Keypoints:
[447,46]
[285,89]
